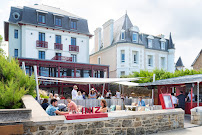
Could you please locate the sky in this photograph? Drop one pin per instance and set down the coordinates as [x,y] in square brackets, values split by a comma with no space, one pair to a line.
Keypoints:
[180,17]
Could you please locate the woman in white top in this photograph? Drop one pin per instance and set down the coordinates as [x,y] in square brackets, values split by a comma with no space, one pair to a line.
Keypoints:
[79,97]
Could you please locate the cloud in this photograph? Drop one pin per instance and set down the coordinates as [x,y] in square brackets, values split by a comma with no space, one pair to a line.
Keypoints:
[181,17]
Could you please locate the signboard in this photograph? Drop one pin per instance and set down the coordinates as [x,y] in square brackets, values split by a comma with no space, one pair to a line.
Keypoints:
[166,101]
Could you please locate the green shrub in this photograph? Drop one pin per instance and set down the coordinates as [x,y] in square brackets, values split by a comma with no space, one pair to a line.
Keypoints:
[13,83]
[160,74]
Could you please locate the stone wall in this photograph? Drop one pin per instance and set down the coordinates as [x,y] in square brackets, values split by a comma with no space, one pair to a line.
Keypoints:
[196,115]
[117,123]
[14,115]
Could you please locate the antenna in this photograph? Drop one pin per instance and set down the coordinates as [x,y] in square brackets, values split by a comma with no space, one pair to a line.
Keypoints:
[126,12]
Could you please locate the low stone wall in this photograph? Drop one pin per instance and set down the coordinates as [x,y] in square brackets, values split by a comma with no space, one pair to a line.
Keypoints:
[14,115]
[196,115]
[118,123]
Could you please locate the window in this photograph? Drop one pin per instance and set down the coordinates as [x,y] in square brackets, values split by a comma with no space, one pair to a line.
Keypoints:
[135,57]
[162,62]
[16,52]
[41,18]
[58,56]
[122,56]
[16,34]
[73,24]
[122,35]
[58,39]
[41,36]
[58,21]
[149,43]
[74,58]
[73,41]
[150,60]
[163,47]
[42,55]
[99,60]
[122,73]
[134,37]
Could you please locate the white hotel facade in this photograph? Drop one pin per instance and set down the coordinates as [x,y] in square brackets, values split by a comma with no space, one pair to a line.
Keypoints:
[121,45]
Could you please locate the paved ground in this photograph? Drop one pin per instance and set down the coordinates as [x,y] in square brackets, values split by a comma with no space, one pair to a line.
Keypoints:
[186,131]
[189,129]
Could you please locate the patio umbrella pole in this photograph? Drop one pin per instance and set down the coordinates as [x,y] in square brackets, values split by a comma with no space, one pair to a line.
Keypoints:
[36,79]
[103,89]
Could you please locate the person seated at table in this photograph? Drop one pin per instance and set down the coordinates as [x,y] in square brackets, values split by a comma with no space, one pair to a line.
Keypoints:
[141,102]
[62,97]
[79,96]
[100,96]
[103,108]
[72,107]
[52,109]
[45,104]
[92,94]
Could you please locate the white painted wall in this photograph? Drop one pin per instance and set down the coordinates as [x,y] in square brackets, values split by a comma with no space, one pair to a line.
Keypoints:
[171,60]
[13,42]
[30,35]
[129,67]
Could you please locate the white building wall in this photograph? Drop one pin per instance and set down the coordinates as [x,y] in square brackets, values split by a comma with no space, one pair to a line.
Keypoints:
[129,67]
[30,35]
[13,42]
[171,60]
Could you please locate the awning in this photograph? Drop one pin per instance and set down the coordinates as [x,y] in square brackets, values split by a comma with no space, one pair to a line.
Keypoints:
[86,80]
[176,80]
[128,83]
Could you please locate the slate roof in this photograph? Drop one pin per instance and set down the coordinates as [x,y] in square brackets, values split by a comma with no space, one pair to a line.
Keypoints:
[179,63]
[197,57]
[124,23]
[28,15]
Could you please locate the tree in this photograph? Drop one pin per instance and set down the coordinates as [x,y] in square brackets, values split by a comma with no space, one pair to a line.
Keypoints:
[1,38]
[160,74]
[13,83]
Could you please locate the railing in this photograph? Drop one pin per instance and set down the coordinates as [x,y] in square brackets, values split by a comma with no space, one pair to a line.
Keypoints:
[59,46]
[74,48]
[96,102]
[63,58]
[42,44]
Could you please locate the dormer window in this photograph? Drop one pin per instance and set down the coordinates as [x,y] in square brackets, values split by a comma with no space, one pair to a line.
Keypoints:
[58,21]
[42,18]
[73,24]
[163,45]
[149,43]
[135,37]
[122,34]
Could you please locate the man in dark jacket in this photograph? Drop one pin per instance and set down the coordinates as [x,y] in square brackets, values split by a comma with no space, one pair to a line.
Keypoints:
[181,100]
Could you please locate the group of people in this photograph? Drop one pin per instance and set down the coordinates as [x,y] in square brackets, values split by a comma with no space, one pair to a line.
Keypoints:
[77,95]
[52,109]
[179,101]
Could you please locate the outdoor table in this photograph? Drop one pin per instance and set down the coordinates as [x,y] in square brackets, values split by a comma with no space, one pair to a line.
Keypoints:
[131,107]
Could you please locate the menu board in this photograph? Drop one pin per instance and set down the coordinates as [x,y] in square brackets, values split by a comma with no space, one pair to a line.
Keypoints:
[166,101]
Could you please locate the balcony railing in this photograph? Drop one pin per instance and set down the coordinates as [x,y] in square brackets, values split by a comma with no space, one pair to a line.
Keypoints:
[58,46]
[63,58]
[74,48]
[42,44]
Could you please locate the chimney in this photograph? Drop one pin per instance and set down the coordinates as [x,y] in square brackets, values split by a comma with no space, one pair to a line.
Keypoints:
[108,33]
[97,39]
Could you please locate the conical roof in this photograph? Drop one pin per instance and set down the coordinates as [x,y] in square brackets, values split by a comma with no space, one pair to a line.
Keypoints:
[170,44]
[179,63]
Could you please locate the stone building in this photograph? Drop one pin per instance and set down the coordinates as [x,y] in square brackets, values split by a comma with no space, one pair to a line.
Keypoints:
[179,65]
[197,64]
[121,45]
